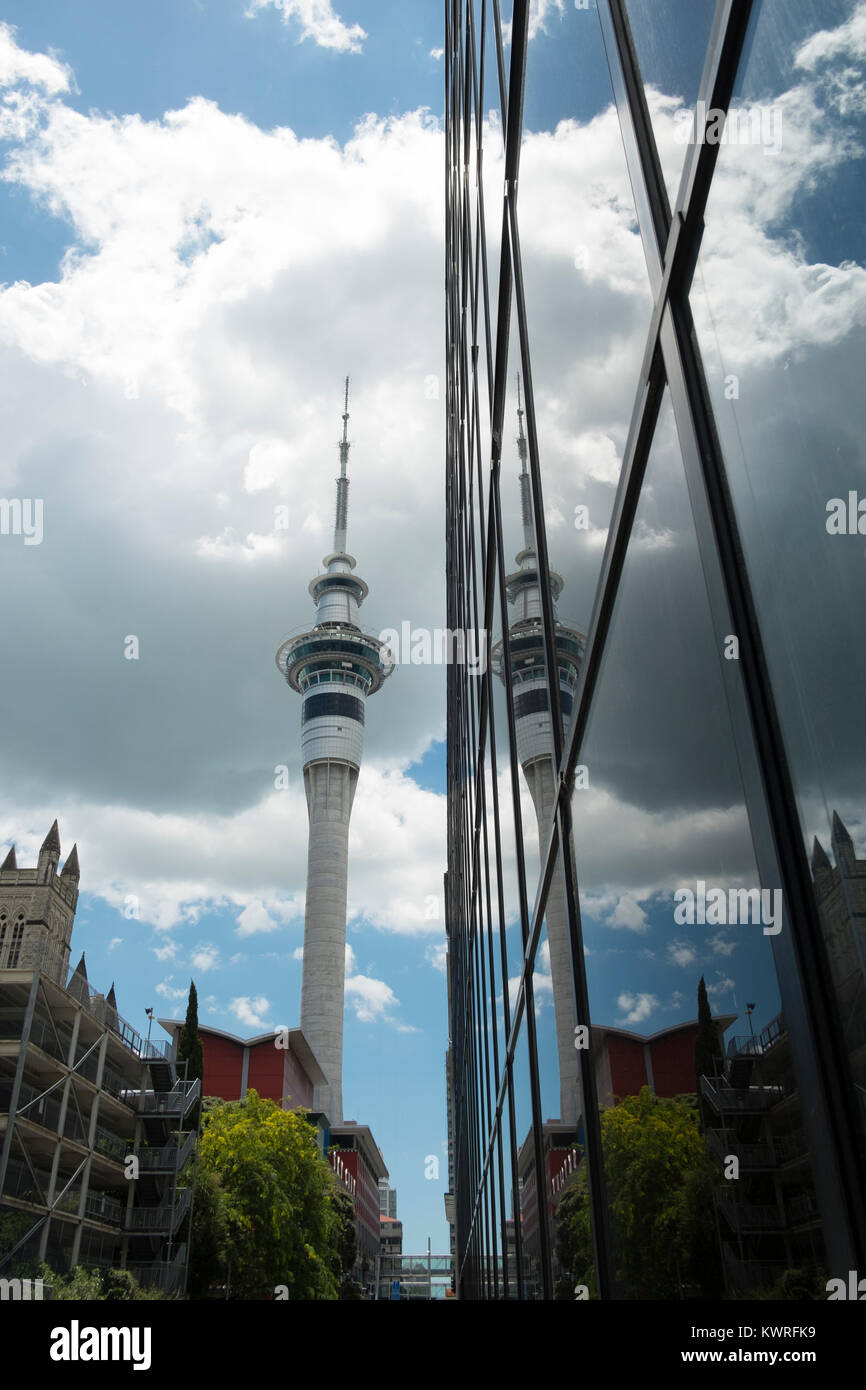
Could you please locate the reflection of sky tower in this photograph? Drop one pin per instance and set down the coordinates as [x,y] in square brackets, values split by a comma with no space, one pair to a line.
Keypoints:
[335,666]
[535,752]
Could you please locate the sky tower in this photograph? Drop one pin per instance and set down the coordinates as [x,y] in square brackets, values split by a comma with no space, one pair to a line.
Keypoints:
[535,752]
[334,666]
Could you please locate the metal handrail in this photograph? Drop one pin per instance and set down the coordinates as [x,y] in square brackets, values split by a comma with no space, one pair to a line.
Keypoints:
[168,1156]
[750,1155]
[152,1273]
[181,1097]
[744,1043]
[738,1098]
[747,1274]
[749,1216]
[100,1207]
[167,1215]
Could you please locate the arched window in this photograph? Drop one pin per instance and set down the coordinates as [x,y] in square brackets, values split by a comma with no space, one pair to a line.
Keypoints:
[15,939]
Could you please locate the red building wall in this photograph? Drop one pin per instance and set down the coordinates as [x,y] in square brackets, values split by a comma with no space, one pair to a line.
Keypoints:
[529,1206]
[274,1072]
[366,1191]
[673,1063]
[223,1061]
[266,1070]
[627,1070]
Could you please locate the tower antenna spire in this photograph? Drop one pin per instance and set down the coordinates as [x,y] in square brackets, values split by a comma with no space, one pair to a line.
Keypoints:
[525,495]
[521,438]
[342,514]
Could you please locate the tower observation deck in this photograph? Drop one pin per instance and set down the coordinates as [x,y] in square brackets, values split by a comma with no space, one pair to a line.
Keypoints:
[334,666]
[534,737]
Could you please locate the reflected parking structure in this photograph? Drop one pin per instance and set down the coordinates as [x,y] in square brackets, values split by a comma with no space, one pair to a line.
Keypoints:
[655,308]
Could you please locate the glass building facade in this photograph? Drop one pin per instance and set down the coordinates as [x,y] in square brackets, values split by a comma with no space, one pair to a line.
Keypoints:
[656,518]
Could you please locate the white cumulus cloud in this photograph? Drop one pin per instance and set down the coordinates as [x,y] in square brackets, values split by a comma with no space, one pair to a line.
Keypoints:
[636,1008]
[169,991]
[250,1012]
[628,913]
[206,957]
[318,21]
[437,956]
[41,70]
[681,953]
[373,1000]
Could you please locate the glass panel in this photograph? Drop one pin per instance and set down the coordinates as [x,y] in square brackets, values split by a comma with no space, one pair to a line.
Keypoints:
[482,1055]
[493,165]
[670,39]
[494,1278]
[528,677]
[555,1014]
[493,935]
[671,902]
[506,1206]
[513,933]
[492,92]
[587,297]
[778,305]
[557,1057]
[545,1029]
[528,1215]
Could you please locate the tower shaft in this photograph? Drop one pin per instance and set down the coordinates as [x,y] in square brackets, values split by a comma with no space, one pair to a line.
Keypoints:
[542,787]
[330,789]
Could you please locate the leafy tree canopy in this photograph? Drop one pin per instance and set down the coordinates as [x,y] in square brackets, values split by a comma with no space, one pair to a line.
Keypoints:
[659,1189]
[279,1200]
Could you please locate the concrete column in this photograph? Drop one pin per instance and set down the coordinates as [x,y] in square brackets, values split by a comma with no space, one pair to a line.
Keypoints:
[330,788]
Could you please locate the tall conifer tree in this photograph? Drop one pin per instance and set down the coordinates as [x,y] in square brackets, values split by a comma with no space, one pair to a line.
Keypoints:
[709,1058]
[189,1048]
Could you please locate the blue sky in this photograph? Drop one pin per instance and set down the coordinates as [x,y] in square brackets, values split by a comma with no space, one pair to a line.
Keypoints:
[145,61]
[207,221]
[152,58]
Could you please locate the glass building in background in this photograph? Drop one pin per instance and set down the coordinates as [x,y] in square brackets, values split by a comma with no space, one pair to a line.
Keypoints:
[656,513]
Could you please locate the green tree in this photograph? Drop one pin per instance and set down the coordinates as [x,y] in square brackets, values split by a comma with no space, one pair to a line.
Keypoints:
[659,1189]
[346,1245]
[796,1284]
[347,1240]
[699,1240]
[352,1292]
[282,1222]
[119,1284]
[97,1285]
[709,1058]
[574,1239]
[209,1234]
[189,1048]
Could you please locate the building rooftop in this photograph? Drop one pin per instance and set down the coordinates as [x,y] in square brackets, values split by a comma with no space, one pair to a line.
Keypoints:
[297,1044]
